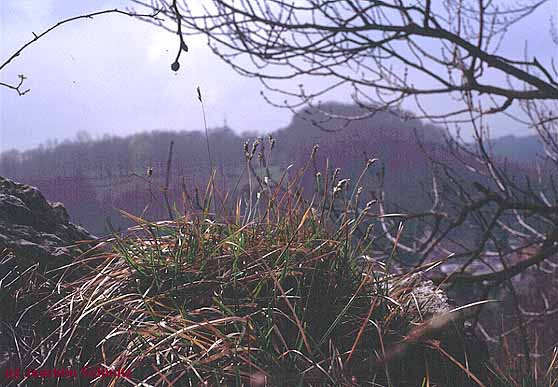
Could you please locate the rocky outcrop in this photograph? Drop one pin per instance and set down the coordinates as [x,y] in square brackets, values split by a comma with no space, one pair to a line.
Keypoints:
[36,231]
[32,232]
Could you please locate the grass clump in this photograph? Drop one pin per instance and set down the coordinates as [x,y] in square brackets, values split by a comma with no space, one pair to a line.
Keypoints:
[271,293]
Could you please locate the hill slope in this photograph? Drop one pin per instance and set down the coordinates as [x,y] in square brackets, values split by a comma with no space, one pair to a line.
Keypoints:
[93,178]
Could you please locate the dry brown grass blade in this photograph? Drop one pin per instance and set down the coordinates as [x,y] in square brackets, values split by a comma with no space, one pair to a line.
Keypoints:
[436,345]
[373,304]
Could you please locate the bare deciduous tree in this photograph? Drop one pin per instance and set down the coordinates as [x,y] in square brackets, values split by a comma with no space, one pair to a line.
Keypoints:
[379,48]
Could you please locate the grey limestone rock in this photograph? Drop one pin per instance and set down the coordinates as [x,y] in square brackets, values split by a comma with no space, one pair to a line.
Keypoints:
[35,230]
[32,231]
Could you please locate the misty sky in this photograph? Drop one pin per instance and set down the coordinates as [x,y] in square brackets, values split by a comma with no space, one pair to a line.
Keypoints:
[112,75]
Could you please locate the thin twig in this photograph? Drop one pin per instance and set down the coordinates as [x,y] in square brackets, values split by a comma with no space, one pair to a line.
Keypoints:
[167,180]
[60,23]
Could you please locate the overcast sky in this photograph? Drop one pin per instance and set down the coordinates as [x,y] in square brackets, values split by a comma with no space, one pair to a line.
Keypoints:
[112,75]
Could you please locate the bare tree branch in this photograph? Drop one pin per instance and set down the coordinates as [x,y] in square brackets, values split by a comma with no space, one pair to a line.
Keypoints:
[18,87]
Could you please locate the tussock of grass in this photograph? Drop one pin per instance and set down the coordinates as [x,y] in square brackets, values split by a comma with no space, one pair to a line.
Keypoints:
[273,293]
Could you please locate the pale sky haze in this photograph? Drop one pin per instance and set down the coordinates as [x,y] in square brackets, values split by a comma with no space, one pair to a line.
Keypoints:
[112,75]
